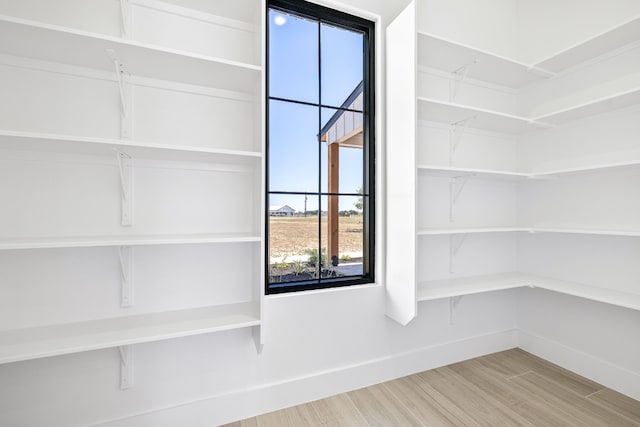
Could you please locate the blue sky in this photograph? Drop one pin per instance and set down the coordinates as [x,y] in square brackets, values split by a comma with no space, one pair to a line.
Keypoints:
[293,128]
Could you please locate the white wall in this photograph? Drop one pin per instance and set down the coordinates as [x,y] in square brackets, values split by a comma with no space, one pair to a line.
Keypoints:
[488,24]
[596,340]
[316,343]
[546,27]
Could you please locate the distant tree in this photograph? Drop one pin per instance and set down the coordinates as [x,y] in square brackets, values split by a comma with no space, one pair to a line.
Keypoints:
[359,204]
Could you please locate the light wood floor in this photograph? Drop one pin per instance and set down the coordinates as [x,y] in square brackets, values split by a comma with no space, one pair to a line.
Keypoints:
[510,388]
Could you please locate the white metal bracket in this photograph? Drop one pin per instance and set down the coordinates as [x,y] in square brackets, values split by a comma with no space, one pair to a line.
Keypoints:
[125,15]
[455,135]
[257,338]
[456,185]
[455,244]
[457,78]
[125,90]
[125,167]
[453,304]
[125,255]
[126,366]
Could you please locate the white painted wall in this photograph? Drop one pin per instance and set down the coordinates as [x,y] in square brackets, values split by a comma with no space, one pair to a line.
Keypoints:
[596,340]
[546,27]
[316,343]
[592,339]
[614,73]
[488,24]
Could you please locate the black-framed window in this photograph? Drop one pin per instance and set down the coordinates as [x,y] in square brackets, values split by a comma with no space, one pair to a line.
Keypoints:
[320,211]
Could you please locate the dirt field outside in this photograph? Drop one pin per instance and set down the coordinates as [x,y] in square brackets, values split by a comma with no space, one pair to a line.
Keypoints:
[293,236]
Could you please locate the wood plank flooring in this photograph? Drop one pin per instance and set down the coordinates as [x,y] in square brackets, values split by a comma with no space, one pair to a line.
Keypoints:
[510,388]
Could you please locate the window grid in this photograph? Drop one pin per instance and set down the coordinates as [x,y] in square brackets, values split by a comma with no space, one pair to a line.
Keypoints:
[368,180]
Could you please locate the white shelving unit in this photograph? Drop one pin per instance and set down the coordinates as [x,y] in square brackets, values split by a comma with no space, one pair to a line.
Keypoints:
[489,174]
[601,294]
[99,241]
[150,85]
[449,288]
[597,106]
[595,232]
[453,172]
[441,53]
[34,141]
[33,343]
[437,289]
[604,167]
[448,231]
[473,116]
[475,230]
[451,113]
[20,37]
[599,44]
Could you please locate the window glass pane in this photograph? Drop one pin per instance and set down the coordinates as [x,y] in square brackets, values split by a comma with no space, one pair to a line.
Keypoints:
[293,57]
[341,136]
[293,238]
[342,65]
[315,146]
[342,236]
[293,147]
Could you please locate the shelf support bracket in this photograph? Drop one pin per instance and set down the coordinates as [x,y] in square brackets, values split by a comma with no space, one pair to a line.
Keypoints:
[125,255]
[455,243]
[125,16]
[125,167]
[457,78]
[456,185]
[257,338]
[125,90]
[453,304]
[126,366]
[455,135]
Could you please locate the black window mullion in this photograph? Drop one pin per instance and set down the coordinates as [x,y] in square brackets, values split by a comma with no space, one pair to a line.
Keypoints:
[314,104]
[319,153]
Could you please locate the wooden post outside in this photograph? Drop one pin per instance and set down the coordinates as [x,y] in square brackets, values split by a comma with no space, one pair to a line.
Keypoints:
[332,209]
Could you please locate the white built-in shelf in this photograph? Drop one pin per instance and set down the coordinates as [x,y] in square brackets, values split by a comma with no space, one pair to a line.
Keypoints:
[476,230]
[437,289]
[604,167]
[471,230]
[434,110]
[596,106]
[441,53]
[53,43]
[448,55]
[33,141]
[492,174]
[133,240]
[32,343]
[606,41]
[591,231]
[594,293]
[453,172]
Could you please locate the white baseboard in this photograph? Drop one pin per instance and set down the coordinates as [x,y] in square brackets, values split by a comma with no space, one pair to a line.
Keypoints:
[240,404]
[606,373]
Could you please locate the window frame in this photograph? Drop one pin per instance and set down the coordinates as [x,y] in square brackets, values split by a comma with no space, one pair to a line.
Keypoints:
[339,19]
